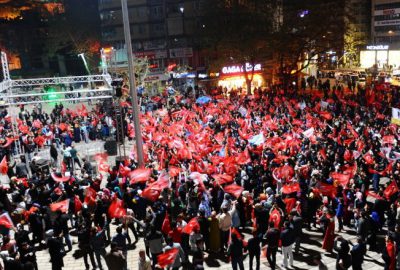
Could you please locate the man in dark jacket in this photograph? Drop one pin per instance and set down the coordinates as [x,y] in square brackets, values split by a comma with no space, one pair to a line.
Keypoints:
[296,223]
[86,248]
[56,251]
[272,243]
[115,259]
[253,246]
[61,225]
[287,239]
[357,254]
[235,251]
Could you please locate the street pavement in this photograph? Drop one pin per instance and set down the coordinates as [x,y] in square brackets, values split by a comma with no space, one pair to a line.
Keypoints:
[311,244]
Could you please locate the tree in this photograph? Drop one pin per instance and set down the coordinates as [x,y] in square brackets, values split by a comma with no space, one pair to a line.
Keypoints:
[234,31]
[308,30]
[76,31]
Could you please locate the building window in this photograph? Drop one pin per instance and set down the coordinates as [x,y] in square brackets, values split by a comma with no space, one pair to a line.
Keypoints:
[387,6]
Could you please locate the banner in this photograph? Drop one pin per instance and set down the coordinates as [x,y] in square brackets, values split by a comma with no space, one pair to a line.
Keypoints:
[396,116]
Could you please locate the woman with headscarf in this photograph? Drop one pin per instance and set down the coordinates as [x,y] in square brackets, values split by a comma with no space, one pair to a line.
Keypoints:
[215,240]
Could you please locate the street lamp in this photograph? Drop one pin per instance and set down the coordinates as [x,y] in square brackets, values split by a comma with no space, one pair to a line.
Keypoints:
[132,88]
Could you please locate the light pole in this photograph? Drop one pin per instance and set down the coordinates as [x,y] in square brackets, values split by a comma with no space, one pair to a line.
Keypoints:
[132,88]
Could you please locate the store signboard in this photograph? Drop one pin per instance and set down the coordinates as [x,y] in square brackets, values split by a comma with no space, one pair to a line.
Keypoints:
[377,47]
[387,22]
[392,11]
[240,69]
[156,77]
[158,54]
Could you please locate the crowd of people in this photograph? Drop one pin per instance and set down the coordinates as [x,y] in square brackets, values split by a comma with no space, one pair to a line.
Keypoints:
[273,165]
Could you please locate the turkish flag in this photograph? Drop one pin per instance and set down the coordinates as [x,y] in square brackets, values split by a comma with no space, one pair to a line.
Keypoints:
[24,129]
[90,197]
[104,167]
[326,115]
[368,159]
[389,139]
[123,171]
[353,132]
[284,172]
[4,166]
[37,124]
[167,258]
[174,171]
[290,204]
[348,155]
[243,157]
[275,217]
[101,157]
[151,194]
[166,226]
[23,181]
[140,175]
[290,188]
[234,190]
[191,226]
[9,141]
[327,190]
[390,190]
[39,140]
[83,111]
[63,167]
[372,196]
[63,206]
[116,209]
[340,178]
[322,152]
[5,221]
[222,178]
[60,179]
[184,154]
[78,204]
[63,126]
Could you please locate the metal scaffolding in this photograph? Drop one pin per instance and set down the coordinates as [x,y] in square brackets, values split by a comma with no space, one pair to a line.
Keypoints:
[14,92]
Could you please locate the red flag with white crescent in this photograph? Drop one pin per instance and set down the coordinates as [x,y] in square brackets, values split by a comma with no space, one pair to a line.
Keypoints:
[167,258]
[63,206]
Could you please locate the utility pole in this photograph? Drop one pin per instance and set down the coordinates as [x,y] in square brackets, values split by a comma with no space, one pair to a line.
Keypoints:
[132,87]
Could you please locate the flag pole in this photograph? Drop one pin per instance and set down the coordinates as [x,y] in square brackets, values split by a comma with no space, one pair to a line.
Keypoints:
[132,88]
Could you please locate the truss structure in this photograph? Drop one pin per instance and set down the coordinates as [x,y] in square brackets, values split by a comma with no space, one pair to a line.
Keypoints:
[96,87]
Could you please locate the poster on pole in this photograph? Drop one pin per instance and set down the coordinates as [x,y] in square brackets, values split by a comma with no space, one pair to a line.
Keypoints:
[396,116]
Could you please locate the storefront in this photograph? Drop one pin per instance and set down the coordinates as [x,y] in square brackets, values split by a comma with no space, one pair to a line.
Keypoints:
[382,56]
[155,83]
[233,77]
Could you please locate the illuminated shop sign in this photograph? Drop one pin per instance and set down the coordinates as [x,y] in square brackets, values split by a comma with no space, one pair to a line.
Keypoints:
[239,69]
[378,47]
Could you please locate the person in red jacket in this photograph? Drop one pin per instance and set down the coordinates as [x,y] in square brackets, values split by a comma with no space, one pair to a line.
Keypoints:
[389,254]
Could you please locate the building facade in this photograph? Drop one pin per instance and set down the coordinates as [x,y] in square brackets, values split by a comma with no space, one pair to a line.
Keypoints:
[385,22]
[161,30]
